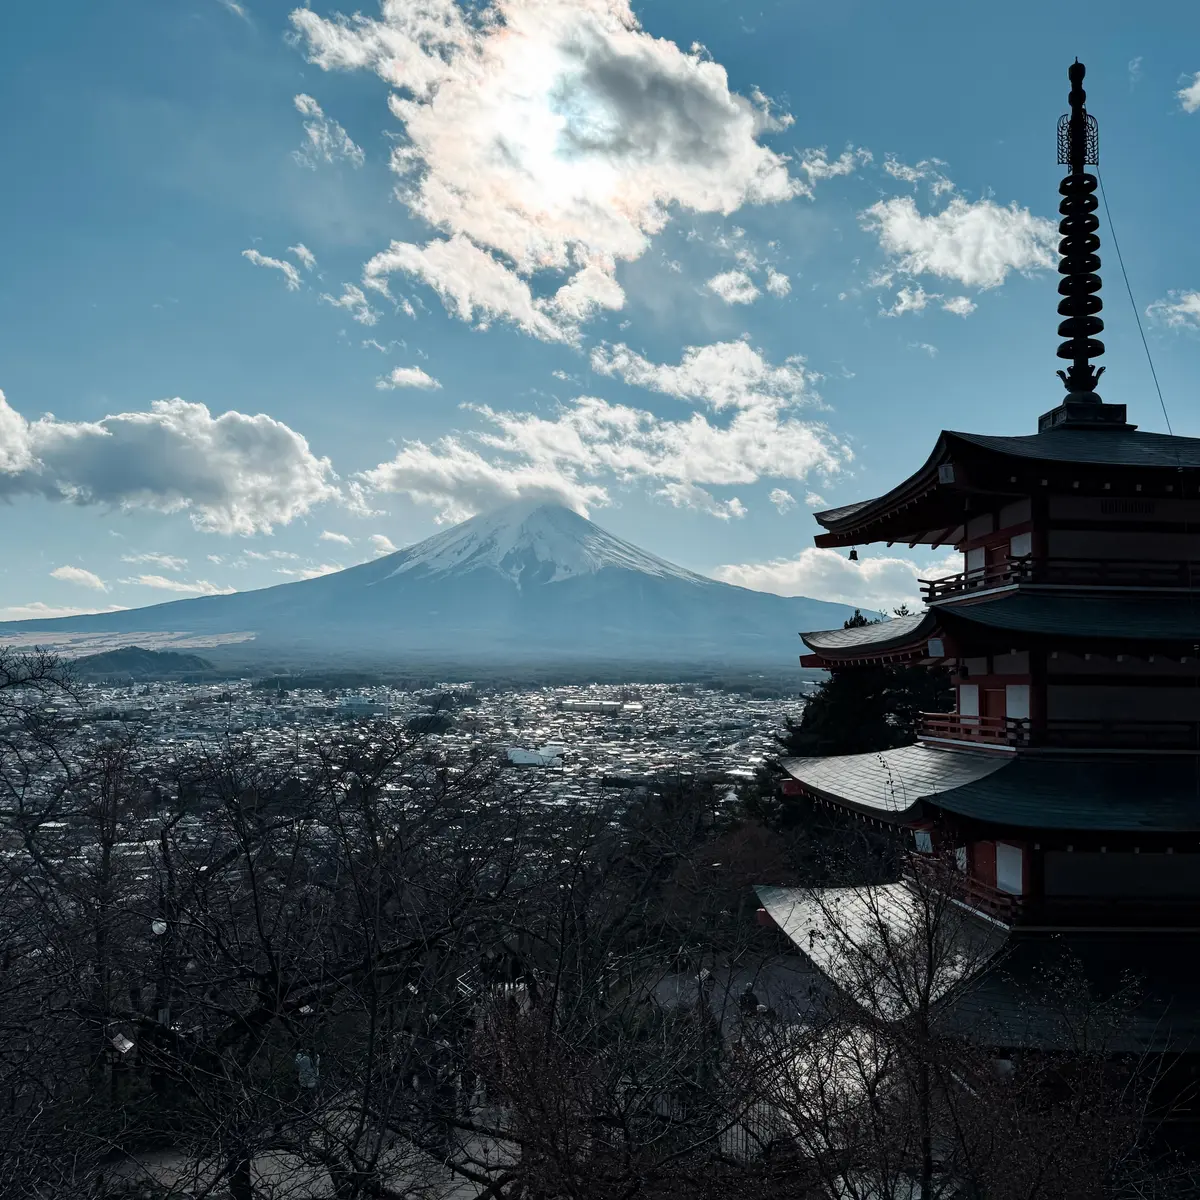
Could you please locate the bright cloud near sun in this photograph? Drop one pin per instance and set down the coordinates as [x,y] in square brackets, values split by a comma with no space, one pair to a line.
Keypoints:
[879,582]
[550,136]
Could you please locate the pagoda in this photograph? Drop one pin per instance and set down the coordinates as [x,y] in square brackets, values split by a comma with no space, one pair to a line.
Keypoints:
[1065,785]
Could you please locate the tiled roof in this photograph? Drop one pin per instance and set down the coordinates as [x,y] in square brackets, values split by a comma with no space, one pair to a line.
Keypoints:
[1109,447]
[1166,618]
[877,636]
[892,782]
[1157,794]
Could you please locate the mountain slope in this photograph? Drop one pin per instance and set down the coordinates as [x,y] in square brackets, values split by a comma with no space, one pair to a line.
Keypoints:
[529,581]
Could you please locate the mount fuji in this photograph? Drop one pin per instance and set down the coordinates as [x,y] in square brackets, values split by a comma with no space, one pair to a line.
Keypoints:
[532,581]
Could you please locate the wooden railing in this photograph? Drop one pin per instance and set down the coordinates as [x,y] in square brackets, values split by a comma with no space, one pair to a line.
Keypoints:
[963,886]
[1068,572]
[991,731]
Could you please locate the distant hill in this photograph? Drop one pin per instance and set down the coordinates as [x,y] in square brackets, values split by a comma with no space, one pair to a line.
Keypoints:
[530,583]
[133,662]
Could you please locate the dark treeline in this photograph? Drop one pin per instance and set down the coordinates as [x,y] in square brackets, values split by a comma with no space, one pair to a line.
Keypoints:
[367,971]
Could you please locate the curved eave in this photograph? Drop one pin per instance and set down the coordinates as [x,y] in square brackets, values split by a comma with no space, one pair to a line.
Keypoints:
[852,522]
[900,639]
[926,507]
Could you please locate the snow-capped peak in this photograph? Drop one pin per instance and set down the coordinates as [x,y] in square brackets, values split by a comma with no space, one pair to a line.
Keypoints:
[533,542]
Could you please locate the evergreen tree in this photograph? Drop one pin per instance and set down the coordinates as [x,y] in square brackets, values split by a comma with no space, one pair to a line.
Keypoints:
[863,709]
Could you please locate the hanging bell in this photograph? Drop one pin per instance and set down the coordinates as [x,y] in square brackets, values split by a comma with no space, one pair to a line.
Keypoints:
[854,555]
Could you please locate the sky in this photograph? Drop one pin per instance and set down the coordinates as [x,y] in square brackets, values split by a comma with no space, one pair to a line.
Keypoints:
[287,288]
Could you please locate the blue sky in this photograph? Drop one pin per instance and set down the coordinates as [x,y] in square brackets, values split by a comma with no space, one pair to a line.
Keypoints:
[297,288]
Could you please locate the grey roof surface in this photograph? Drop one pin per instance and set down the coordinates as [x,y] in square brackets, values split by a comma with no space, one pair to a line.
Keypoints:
[1113,447]
[1152,794]
[878,635]
[1160,618]
[893,782]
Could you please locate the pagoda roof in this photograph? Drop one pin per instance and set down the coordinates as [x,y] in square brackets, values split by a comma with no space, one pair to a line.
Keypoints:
[1102,794]
[1107,447]
[997,988]
[877,637]
[929,506]
[1160,619]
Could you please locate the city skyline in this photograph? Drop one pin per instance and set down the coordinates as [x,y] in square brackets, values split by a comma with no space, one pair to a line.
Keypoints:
[298,289]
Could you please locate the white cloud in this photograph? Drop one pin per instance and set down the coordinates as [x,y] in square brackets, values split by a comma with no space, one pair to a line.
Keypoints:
[723,375]
[312,572]
[778,283]
[38,610]
[199,587]
[556,137]
[783,500]
[382,544]
[1135,71]
[408,377]
[1189,95]
[575,451]
[909,300]
[815,500]
[587,291]
[327,535]
[816,165]
[734,287]
[290,274]
[238,10]
[168,562]
[688,495]
[469,281]
[81,577]
[354,301]
[306,257]
[232,473]
[874,582]
[960,306]
[977,244]
[1179,310]
[460,482]
[326,141]
[925,169]
[925,348]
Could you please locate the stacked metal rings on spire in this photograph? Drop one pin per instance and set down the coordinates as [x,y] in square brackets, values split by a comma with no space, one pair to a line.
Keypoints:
[1080,284]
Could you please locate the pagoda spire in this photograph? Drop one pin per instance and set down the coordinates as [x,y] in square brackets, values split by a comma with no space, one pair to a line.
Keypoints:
[1079,148]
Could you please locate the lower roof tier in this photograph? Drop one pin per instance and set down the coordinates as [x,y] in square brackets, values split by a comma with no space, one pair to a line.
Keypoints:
[1145,795]
[998,989]
[1156,623]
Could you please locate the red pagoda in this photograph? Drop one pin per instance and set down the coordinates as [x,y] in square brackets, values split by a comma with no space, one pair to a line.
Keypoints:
[1066,782]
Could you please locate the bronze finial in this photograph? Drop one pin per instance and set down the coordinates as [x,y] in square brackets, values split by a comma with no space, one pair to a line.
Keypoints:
[1078,147]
